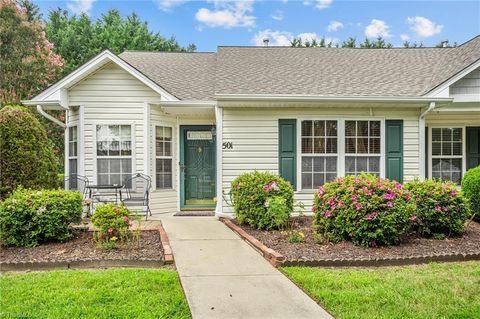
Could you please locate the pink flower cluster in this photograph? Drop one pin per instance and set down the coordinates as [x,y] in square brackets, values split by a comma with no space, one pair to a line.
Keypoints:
[271,186]
[371,216]
[439,208]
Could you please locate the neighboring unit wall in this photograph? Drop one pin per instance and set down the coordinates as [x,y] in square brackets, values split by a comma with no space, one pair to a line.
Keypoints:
[468,88]
[111,96]
[254,134]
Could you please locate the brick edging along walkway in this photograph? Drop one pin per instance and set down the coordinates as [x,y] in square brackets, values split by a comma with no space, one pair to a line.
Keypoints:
[93,263]
[167,250]
[269,254]
[277,259]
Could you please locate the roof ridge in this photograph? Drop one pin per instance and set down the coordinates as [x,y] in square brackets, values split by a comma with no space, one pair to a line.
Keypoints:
[187,52]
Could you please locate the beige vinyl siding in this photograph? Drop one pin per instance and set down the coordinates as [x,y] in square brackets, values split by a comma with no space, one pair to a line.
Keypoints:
[163,200]
[438,118]
[254,134]
[112,96]
[73,116]
[468,87]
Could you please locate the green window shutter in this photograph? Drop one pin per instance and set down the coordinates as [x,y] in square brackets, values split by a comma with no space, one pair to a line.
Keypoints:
[394,150]
[473,147]
[287,150]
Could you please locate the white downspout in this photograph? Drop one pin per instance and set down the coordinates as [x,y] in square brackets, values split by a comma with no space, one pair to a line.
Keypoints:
[49,117]
[421,127]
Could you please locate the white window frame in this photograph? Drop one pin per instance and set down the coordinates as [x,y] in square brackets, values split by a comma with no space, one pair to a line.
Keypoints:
[335,155]
[96,156]
[340,144]
[75,157]
[356,154]
[171,157]
[464,148]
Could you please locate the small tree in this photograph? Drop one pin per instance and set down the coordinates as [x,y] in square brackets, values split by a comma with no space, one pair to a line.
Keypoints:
[26,154]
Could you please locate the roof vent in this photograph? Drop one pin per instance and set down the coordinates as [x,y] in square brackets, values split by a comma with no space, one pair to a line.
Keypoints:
[265,42]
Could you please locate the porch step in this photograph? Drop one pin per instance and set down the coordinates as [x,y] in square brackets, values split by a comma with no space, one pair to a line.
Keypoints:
[195,213]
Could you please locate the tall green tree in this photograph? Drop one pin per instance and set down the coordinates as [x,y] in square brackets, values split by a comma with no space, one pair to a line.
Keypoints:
[78,38]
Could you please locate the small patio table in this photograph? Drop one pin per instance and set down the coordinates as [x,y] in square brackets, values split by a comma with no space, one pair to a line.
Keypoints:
[117,189]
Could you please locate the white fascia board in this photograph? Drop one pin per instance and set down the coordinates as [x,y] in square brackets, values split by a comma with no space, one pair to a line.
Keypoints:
[320,98]
[185,103]
[93,65]
[46,105]
[442,88]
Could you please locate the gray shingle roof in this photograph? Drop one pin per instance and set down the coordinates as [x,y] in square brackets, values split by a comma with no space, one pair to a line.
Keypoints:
[188,76]
[304,71]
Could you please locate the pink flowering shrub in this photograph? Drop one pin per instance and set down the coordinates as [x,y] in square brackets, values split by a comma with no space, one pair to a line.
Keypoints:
[262,200]
[112,223]
[364,209]
[441,208]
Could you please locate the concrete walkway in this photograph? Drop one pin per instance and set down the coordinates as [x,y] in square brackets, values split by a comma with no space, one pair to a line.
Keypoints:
[223,277]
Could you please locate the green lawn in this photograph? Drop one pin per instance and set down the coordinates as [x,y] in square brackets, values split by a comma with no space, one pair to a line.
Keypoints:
[113,293]
[448,290]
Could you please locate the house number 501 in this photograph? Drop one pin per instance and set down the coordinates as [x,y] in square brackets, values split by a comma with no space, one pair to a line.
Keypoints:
[227,145]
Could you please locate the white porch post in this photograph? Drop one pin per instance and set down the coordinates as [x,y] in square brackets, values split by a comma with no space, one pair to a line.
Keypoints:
[146,139]
[219,141]
[421,147]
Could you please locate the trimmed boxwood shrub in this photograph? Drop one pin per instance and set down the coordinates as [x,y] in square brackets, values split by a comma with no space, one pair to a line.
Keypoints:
[27,155]
[366,210]
[29,217]
[262,200]
[441,208]
[471,190]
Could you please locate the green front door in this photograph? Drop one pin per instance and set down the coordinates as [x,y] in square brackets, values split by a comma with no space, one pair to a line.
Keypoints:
[198,167]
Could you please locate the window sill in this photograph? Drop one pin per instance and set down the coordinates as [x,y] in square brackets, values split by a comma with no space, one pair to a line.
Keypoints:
[164,190]
[305,191]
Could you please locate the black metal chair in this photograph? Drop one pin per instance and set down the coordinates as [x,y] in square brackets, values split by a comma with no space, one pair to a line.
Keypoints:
[77,182]
[137,194]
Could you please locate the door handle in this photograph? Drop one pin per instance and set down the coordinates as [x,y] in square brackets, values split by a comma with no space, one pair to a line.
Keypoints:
[183,167]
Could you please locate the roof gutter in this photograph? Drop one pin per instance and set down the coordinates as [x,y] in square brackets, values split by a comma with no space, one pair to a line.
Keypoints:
[320,98]
[49,117]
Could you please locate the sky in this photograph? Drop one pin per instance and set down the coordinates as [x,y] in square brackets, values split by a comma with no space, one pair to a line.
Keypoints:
[211,23]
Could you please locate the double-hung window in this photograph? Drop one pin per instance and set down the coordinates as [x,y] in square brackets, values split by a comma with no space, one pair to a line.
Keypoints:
[447,153]
[319,152]
[114,153]
[72,150]
[163,157]
[362,147]
[72,156]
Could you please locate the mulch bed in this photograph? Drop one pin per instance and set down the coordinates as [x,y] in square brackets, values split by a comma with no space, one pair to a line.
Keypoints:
[82,248]
[412,248]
